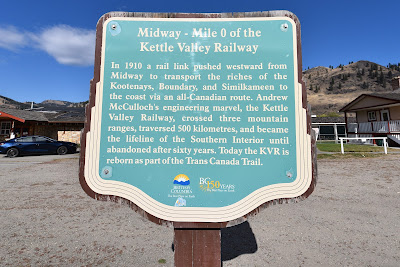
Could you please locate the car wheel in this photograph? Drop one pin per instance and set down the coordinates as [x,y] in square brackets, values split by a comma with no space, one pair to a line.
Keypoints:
[12,152]
[62,150]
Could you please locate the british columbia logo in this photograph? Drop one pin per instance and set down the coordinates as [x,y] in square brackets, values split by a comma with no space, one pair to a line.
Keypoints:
[181,190]
[182,179]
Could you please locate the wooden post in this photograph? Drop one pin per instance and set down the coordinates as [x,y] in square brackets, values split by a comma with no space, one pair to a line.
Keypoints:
[341,145]
[385,144]
[336,133]
[345,123]
[197,247]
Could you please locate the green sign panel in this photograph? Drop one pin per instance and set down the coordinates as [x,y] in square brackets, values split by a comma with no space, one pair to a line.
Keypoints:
[199,119]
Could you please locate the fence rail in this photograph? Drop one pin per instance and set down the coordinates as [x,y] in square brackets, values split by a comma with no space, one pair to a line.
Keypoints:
[353,138]
[374,127]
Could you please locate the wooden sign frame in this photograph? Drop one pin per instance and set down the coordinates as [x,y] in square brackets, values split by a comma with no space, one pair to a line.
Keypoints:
[96,79]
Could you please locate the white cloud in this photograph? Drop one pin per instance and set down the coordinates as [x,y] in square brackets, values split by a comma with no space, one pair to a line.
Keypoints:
[68,45]
[11,38]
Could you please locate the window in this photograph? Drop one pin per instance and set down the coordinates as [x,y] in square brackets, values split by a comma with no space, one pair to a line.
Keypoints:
[5,128]
[24,140]
[371,116]
[42,139]
[385,115]
[341,130]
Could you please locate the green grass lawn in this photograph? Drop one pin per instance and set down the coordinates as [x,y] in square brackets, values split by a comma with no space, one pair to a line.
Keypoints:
[332,147]
[349,155]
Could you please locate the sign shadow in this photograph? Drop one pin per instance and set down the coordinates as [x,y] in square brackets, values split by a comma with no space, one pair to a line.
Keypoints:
[236,241]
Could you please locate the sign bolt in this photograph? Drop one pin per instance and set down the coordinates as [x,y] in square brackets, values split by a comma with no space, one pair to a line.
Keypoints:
[106,172]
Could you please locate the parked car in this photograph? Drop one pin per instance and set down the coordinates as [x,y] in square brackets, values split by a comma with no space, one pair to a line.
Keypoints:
[29,145]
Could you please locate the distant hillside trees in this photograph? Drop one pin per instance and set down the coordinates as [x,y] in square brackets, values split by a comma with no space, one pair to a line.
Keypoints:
[362,75]
[394,66]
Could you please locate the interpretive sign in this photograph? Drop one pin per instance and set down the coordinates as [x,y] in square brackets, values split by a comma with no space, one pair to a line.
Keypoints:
[198,119]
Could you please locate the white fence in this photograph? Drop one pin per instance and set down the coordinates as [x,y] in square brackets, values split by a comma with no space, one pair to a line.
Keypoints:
[350,138]
[375,127]
[394,126]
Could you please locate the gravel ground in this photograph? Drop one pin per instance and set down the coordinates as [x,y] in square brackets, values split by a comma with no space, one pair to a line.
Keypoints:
[352,219]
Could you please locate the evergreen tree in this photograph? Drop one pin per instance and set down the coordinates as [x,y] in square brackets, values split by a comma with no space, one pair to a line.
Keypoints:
[364,85]
[340,85]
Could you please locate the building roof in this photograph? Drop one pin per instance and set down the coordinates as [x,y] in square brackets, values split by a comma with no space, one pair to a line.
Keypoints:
[332,120]
[23,115]
[29,115]
[66,117]
[393,97]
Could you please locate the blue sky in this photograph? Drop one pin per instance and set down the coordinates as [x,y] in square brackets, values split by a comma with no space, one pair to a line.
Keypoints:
[47,47]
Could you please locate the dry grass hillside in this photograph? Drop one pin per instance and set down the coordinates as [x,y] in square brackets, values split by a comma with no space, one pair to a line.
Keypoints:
[47,105]
[329,89]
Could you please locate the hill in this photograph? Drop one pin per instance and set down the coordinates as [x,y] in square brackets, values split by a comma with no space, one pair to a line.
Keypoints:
[11,103]
[329,89]
[47,105]
[59,105]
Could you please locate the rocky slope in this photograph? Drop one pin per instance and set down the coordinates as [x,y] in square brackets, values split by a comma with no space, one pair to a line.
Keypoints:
[329,89]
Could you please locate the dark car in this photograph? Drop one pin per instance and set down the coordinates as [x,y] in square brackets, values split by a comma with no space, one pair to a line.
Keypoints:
[29,145]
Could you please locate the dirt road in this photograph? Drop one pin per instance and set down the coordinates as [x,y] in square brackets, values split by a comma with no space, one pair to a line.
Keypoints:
[352,219]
